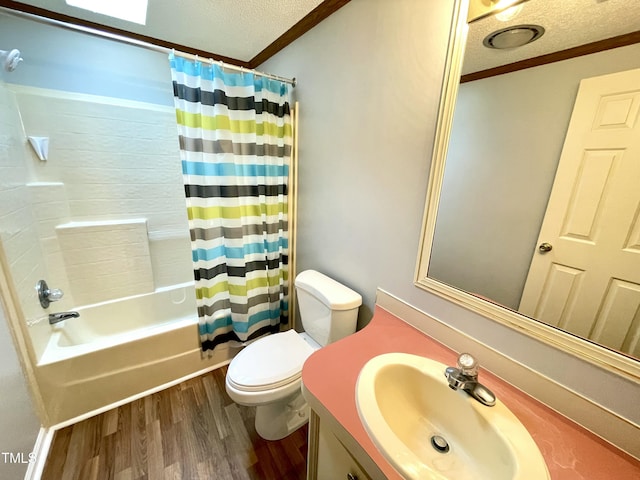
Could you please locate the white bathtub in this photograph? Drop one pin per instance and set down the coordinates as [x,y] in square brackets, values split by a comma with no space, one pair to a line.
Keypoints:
[122,321]
[121,349]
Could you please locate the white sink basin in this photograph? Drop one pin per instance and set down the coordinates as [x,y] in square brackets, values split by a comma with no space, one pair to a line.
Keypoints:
[404,401]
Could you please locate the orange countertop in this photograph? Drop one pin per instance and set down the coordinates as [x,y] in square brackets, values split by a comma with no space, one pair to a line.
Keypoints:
[570,451]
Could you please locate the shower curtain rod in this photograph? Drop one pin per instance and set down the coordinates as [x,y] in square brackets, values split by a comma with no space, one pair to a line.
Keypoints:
[142,43]
[230,66]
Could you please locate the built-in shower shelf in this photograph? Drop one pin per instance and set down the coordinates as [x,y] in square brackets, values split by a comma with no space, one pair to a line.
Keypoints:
[106,259]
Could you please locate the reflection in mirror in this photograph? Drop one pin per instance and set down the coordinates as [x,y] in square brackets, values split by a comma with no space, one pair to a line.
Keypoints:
[518,138]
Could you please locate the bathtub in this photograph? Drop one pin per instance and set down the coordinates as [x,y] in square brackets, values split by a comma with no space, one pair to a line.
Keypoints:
[120,350]
[122,321]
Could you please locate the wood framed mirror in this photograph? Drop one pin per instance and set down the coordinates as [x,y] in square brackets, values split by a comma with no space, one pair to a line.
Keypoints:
[483,226]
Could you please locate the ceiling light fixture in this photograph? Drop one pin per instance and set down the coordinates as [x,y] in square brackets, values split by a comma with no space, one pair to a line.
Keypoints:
[513,37]
[130,10]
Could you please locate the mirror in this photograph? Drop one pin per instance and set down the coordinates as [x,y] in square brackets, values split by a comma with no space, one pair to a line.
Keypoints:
[494,168]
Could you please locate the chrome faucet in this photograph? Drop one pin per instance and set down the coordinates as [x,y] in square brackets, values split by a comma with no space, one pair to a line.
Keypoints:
[465,377]
[61,316]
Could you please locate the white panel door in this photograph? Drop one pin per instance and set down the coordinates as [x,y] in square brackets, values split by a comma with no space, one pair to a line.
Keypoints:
[589,282]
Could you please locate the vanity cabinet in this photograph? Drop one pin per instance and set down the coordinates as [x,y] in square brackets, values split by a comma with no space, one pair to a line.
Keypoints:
[329,458]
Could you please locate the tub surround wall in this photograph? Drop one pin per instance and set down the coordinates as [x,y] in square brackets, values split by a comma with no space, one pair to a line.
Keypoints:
[50,208]
[363,174]
[111,162]
[19,423]
[18,224]
[118,160]
[97,101]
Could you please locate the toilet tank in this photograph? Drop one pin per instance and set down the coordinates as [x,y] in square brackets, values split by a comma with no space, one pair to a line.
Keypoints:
[328,309]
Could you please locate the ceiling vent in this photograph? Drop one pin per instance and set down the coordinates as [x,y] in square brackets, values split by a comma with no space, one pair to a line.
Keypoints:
[513,37]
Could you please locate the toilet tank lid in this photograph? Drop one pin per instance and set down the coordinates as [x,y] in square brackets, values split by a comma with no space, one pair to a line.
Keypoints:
[333,294]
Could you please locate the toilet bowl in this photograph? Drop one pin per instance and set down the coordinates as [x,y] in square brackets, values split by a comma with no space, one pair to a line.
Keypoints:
[267,373]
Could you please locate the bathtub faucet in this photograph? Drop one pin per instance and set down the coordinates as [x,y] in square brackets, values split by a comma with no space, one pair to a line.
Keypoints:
[61,316]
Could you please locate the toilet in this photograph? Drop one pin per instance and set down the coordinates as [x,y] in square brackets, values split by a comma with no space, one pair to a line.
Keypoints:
[267,373]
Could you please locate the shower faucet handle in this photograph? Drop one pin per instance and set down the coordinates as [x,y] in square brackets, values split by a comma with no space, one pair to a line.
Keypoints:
[47,295]
[55,294]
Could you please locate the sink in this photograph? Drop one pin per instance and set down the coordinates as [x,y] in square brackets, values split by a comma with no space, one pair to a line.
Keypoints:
[426,430]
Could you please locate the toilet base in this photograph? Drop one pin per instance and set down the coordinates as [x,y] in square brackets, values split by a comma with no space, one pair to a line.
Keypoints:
[275,421]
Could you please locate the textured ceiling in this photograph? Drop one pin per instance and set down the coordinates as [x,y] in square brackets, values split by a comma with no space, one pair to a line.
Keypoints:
[237,29]
[240,29]
[567,23]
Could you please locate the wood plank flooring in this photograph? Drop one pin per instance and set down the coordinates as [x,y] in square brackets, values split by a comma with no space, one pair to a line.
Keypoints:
[191,431]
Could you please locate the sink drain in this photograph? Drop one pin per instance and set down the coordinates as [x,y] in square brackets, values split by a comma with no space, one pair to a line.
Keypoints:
[440,444]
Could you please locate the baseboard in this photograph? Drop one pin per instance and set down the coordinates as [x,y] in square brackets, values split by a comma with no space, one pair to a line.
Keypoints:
[604,423]
[41,451]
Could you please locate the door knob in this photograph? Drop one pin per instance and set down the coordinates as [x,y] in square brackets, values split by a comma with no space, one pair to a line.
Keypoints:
[545,247]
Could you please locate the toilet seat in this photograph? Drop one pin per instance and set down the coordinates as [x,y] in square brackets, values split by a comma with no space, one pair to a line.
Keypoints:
[269,363]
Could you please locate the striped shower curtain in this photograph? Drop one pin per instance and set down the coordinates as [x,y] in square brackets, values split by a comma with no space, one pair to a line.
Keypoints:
[235,144]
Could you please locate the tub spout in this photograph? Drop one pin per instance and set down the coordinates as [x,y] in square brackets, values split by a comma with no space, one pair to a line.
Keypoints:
[61,316]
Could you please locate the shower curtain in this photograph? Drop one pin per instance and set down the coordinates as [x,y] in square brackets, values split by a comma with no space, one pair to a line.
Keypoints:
[235,144]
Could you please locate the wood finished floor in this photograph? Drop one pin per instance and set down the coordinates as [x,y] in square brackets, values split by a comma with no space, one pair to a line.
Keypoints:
[190,431]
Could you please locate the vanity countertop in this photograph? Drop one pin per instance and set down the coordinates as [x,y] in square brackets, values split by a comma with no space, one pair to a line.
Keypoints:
[329,378]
